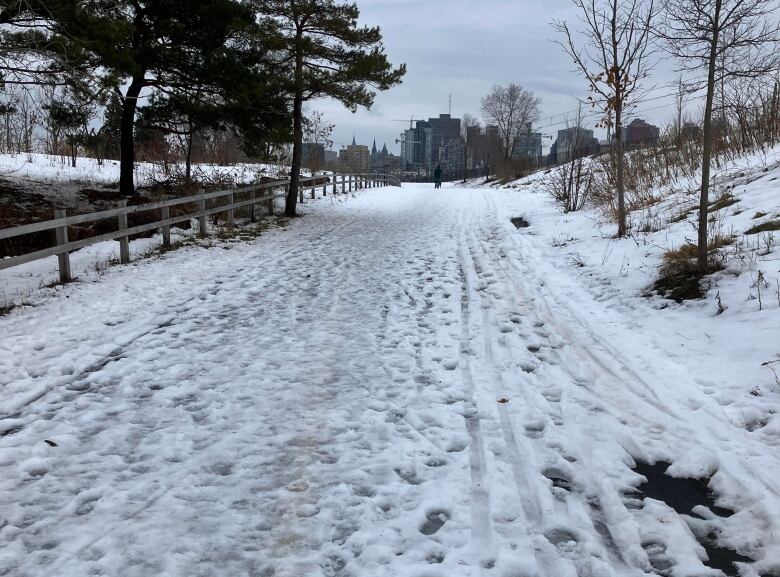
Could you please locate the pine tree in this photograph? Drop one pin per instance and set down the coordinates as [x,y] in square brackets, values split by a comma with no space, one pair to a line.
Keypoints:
[136,46]
[326,54]
[112,127]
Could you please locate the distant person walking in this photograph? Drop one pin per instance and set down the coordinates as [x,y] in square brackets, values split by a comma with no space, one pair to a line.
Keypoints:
[437,174]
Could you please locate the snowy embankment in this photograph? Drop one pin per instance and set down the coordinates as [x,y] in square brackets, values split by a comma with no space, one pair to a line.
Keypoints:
[52,175]
[585,260]
[53,180]
[401,385]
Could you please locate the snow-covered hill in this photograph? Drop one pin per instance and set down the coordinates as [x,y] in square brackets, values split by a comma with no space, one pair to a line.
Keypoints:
[32,184]
[53,177]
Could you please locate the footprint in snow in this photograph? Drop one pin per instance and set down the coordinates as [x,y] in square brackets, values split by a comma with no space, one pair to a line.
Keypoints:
[559,479]
[450,365]
[656,554]
[534,429]
[435,520]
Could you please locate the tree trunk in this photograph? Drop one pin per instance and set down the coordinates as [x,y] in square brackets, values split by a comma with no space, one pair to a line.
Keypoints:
[621,186]
[704,198]
[127,137]
[188,169]
[295,170]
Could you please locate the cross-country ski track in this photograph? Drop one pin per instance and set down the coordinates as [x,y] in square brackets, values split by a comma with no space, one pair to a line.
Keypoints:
[399,384]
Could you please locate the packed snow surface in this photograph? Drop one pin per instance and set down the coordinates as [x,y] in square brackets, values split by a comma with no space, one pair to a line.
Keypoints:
[402,384]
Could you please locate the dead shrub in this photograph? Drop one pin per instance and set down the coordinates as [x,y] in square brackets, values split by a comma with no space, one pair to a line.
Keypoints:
[571,185]
[678,277]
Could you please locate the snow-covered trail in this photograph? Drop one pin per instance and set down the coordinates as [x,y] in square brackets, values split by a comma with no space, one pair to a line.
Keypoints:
[387,387]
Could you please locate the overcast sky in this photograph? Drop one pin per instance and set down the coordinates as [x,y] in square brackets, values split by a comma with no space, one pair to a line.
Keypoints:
[463,47]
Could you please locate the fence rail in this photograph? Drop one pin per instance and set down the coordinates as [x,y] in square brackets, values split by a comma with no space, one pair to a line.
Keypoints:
[61,221]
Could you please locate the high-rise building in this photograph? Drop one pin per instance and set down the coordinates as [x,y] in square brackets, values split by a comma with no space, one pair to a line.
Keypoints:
[575,142]
[312,155]
[451,157]
[491,146]
[408,148]
[422,137]
[640,133]
[355,158]
[528,146]
[443,130]
[428,144]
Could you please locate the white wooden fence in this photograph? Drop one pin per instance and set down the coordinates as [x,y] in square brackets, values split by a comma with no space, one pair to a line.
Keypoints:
[344,182]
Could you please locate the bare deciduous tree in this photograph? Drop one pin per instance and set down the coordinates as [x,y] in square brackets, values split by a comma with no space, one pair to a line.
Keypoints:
[613,55]
[513,109]
[728,39]
[317,130]
[571,184]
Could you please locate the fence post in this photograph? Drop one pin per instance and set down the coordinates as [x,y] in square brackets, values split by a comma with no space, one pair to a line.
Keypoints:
[350,183]
[313,192]
[270,202]
[335,179]
[202,215]
[325,186]
[124,241]
[62,238]
[165,214]
[343,184]
[231,220]
[300,193]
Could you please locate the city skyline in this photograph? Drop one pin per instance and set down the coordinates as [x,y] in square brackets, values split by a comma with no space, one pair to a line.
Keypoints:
[440,63]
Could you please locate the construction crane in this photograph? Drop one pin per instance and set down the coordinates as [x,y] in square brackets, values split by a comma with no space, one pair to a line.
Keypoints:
[411,121]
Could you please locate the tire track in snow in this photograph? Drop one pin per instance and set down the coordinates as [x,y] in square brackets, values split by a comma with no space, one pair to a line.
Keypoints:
[546,530]
[485,246]
[480,496]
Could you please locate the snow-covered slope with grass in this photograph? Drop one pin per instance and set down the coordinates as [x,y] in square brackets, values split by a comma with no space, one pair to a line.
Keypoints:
[41,169]
[31,185]
[41,182]
[734,343]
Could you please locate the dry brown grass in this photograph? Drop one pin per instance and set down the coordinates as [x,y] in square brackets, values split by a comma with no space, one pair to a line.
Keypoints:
[768,226]
[678,276]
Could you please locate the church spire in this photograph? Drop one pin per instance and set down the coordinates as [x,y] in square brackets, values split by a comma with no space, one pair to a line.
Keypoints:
[354,142]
